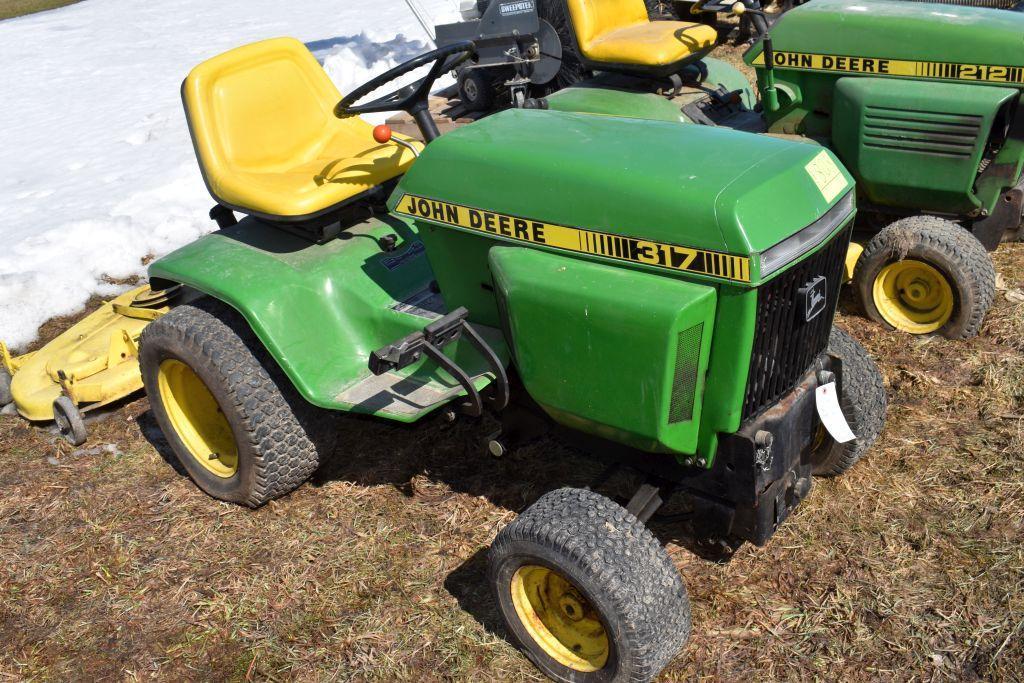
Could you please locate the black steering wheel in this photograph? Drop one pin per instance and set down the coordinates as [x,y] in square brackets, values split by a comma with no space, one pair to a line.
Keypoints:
[412,99]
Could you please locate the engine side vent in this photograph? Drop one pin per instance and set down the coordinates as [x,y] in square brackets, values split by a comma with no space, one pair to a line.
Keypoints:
[922,132]
[684,388]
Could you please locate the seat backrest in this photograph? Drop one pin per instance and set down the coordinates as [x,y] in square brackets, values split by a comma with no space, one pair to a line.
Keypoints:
[592,18]
[261,107]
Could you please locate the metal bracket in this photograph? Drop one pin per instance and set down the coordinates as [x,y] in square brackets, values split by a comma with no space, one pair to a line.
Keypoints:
[1006,217]
[649,498]
[431,342]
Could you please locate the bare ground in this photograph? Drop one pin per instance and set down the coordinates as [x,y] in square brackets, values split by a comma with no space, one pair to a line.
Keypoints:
[114,566]
[16,8]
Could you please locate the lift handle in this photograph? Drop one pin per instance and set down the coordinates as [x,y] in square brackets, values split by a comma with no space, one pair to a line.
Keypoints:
[431,342]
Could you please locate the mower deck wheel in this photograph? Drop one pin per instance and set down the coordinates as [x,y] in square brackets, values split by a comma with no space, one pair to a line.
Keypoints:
[5,387]
[69,421]
[863,400]
[587,591]
[232,417]
[926,275]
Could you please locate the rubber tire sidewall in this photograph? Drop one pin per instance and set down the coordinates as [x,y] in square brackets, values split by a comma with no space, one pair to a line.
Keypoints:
[863,401]
[5,388]
[877,255]
[235,488]
[526,553]
[485,91]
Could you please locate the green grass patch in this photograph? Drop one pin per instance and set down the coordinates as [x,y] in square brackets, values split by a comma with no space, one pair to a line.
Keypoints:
[17,8]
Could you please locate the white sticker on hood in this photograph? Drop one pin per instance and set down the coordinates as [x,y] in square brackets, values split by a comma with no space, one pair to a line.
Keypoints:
[827,175]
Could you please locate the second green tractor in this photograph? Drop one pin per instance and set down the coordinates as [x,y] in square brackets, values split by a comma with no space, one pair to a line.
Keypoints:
[921,102]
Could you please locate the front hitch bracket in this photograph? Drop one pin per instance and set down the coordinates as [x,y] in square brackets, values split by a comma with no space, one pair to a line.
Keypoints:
[430,342]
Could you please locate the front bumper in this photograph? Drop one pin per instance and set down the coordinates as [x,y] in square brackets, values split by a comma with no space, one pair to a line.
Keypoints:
[752,488]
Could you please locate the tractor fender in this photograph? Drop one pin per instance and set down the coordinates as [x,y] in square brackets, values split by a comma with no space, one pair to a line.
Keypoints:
[319,309]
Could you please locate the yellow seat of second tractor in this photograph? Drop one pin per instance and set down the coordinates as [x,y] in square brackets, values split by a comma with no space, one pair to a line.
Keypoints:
[618,35]
[268,142]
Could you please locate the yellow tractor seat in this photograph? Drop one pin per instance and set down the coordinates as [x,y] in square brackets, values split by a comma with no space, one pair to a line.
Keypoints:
[268,143]
[617,35]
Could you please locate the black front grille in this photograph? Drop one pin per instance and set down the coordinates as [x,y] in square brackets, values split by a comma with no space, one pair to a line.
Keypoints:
[785,344]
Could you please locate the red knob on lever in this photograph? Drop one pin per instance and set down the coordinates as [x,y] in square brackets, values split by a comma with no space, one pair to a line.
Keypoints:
[382,134]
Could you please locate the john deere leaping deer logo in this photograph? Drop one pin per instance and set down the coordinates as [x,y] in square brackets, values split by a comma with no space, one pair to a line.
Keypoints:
[815,297]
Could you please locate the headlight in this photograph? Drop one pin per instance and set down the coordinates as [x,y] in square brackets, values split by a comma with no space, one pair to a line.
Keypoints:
[792,248]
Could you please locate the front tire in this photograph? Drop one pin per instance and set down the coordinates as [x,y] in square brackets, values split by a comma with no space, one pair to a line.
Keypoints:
[863,400]
[926,275]
[587,591]
[233,419]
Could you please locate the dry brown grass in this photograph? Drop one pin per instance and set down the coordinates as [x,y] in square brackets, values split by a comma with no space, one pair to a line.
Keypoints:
[16,8]
[113,566]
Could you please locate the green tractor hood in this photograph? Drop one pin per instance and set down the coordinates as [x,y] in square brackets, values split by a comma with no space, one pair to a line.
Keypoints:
[696,187]
[923,37]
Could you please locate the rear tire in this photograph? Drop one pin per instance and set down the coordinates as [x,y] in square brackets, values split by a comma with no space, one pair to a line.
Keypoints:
[863,400]
[926,275]
[587,591]
[233,419]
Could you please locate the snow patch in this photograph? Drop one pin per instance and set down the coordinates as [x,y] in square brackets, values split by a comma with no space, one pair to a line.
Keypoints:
[98,168]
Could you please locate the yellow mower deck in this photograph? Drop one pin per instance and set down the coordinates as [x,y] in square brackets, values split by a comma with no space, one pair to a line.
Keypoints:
[94,363]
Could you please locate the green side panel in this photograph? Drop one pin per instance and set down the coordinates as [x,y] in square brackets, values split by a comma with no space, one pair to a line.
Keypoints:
[608,351]
[321,309]
[722,73]
[895,40]
[607,102]
[735,323]
[913,143]
[896,29]
[650,180]
[1004,171]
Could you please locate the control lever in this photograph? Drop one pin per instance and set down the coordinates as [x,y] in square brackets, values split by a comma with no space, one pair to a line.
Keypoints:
[771,94]
[430,342]
[383,134]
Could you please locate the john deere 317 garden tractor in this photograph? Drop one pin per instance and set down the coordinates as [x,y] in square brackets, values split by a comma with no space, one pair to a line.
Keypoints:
[660,295]
[920,101]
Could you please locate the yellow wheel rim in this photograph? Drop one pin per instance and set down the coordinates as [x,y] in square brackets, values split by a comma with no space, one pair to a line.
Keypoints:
[559,619]
[913,297]
[197,419]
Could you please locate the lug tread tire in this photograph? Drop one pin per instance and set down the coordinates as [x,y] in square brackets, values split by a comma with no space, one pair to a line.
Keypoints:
[5,387]
[946,245]
[69,421]
[265,407]
[617,553]
[863,401]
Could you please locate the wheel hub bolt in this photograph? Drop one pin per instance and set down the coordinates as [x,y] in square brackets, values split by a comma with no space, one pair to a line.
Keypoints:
[571,607]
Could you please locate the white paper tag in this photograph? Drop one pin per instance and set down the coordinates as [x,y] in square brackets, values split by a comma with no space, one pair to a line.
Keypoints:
[827,399]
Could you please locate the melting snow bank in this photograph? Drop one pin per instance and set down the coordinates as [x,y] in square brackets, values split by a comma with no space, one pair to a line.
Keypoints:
[98,170]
